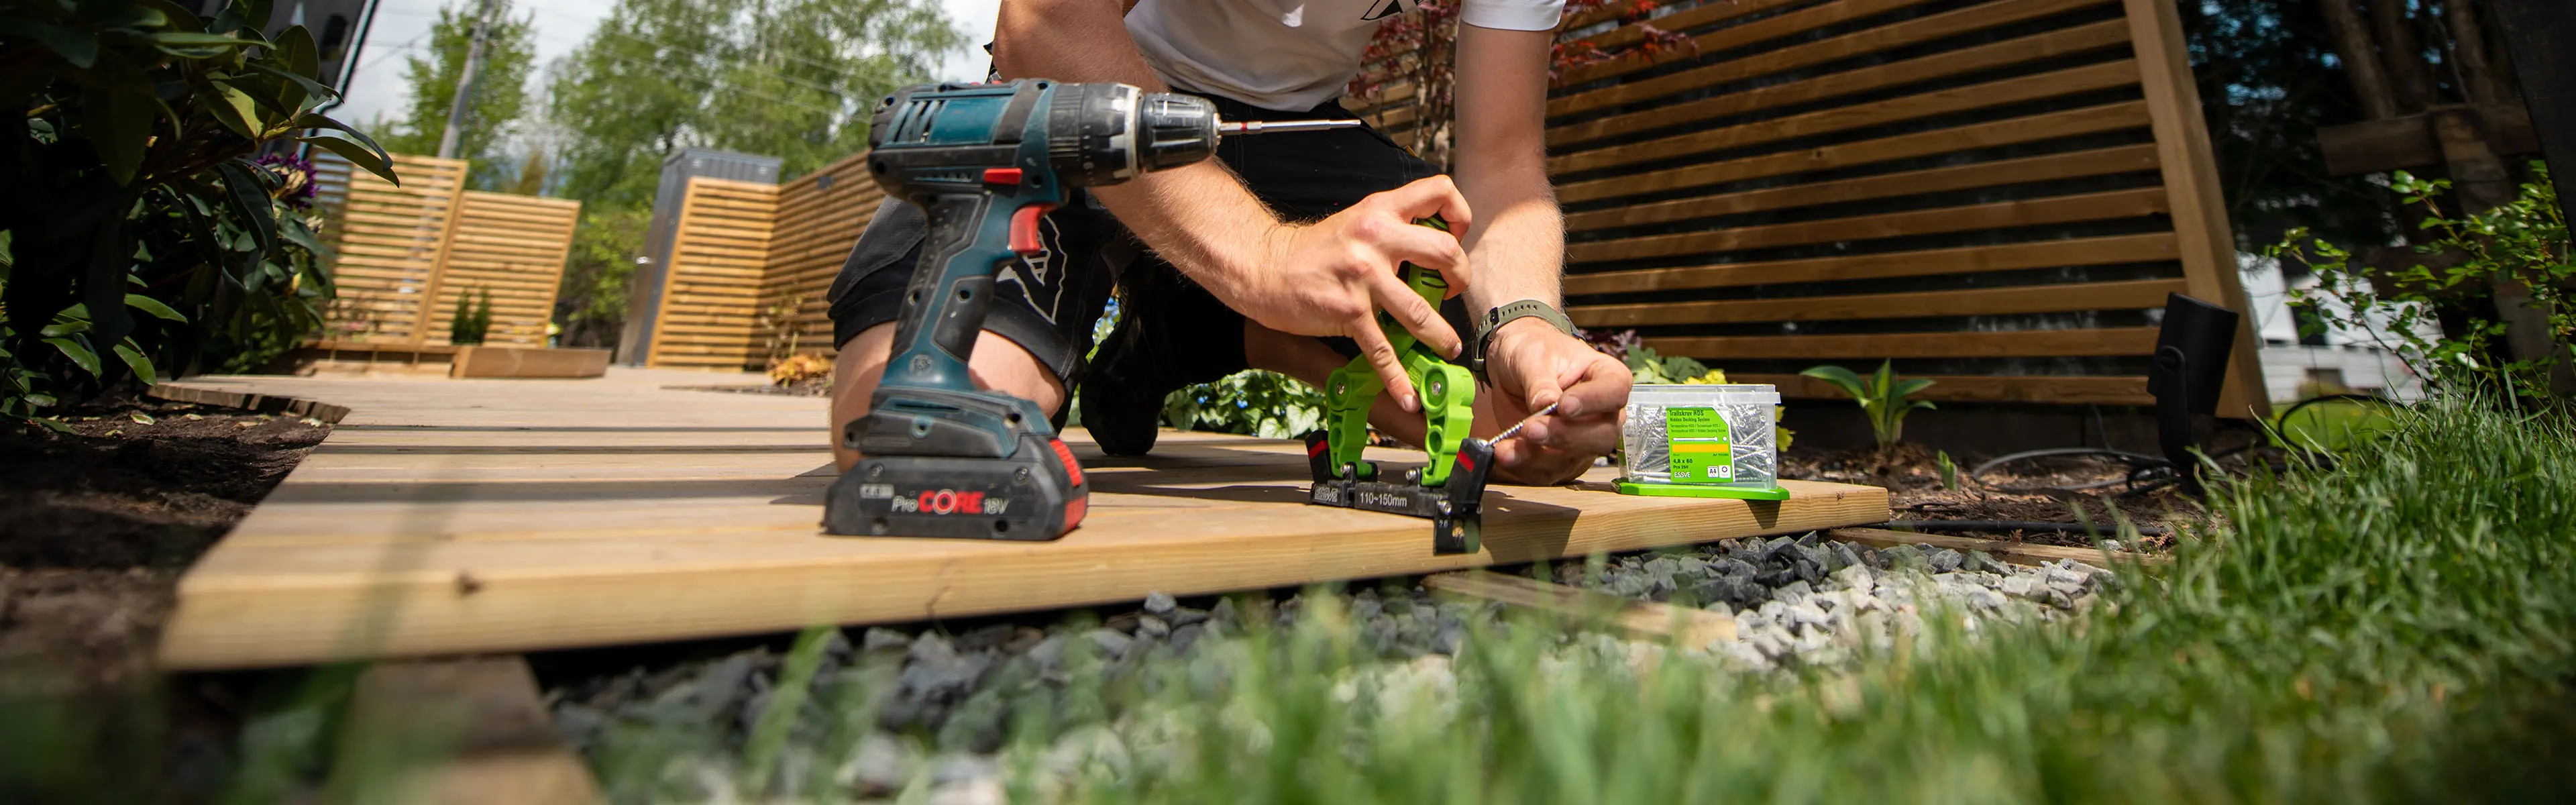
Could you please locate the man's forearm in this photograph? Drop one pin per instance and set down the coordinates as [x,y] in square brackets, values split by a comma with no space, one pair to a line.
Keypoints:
[1517,250]
[1199,217]
[1518,247]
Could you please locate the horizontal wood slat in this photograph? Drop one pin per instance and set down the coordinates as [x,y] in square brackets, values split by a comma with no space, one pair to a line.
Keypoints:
[1893,74]
[1763,30]
[1963,260]
[1957,99]
[2017,344]
[719,250]
[2120,295]
[2096,162]
[2014,131]
[1858,43]
[1998,215]
[2059,389]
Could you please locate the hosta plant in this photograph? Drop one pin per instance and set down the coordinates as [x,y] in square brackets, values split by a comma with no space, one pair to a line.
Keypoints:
[1882,396]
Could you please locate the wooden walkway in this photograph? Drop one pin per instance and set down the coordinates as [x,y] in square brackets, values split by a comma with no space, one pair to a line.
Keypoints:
[460,516]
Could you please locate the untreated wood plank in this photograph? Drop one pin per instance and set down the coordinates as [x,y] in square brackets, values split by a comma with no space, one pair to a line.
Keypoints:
[632,513]
[2152,247]
[1646,620]
[2015,552]
[2008,344]
[495,361]
[455,730]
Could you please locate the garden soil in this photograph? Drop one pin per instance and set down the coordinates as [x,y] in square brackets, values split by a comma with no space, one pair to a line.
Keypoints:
[96,525]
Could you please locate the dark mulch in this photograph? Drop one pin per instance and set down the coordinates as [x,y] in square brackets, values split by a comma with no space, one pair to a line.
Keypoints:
[95,528]
[1912,476]
[96,525]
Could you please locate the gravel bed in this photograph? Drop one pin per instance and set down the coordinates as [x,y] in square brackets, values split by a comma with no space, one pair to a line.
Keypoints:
[936,704]
[1809,602]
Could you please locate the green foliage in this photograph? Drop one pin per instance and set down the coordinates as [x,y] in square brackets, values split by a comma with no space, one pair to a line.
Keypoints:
[1651,367]
[1949,470]
[500,92]
[1882,396]
[2269,78]
[133,178]
[2525,241]
[787,78]
[590,300]
[1252,402]
[473,317]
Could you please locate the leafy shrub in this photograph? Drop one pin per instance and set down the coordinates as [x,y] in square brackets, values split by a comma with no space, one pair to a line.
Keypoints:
[2525,241]
[1252,402]
[133,187]
[1882,396]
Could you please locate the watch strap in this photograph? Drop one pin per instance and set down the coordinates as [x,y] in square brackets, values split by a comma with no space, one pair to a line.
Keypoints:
[1506,313]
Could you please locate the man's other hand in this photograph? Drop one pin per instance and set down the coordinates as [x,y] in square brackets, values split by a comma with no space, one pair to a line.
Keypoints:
[1531,366]
[1332,276]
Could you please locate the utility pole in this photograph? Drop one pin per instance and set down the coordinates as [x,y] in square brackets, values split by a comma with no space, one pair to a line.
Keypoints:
[456,109]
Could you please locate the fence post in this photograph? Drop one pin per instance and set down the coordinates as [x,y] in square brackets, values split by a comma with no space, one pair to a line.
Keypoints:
[2199,209]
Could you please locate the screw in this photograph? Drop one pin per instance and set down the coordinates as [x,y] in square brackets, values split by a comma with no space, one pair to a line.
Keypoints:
[876,471]
[1020,475]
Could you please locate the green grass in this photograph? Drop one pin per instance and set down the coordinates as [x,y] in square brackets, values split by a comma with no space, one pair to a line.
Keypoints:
[2396,628]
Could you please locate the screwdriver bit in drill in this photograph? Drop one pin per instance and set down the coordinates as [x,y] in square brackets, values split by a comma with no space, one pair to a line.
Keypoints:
[1279,126]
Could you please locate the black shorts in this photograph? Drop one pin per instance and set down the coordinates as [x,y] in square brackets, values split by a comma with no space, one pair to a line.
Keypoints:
[1048,303]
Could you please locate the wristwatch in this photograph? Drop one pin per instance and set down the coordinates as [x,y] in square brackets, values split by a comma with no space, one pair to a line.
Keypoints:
[1503,314]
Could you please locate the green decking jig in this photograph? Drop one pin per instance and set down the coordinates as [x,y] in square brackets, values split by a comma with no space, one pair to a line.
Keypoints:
[1450,488]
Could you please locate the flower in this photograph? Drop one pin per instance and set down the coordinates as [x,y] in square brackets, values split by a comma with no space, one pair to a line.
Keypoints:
[295,184]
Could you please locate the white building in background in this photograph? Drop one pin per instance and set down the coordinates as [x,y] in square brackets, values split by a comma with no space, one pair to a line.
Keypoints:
[2293,367]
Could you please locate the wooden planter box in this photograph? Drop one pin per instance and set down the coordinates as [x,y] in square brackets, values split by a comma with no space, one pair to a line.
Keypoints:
[528,362]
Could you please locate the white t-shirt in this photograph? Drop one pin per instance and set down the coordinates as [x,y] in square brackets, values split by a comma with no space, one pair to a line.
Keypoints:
[1288,54]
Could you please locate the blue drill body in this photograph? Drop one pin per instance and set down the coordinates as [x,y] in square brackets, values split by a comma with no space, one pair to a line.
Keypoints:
[945,458]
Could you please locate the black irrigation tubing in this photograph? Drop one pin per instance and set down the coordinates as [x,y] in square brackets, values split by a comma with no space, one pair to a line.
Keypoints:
[2016,525]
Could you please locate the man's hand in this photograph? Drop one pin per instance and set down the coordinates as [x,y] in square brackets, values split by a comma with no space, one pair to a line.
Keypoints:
[1331,277]
[1531,366]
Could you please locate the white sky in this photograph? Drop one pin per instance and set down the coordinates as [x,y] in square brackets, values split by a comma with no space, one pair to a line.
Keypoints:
[402,30]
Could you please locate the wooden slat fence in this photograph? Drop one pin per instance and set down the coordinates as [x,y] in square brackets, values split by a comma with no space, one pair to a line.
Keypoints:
[390,242]
[719,256]
[753,264]
[819,217]
[1997,194]
[512,247]
[431,239]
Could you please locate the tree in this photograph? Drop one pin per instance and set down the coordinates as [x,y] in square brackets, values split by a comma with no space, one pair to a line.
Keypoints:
[590,303]
[500,91]
[2269,78]
[787,78]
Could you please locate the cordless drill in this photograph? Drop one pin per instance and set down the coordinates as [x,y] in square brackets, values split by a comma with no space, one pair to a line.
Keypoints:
[943,457]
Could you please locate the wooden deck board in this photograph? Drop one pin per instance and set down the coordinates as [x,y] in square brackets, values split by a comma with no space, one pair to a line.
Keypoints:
[451,516]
